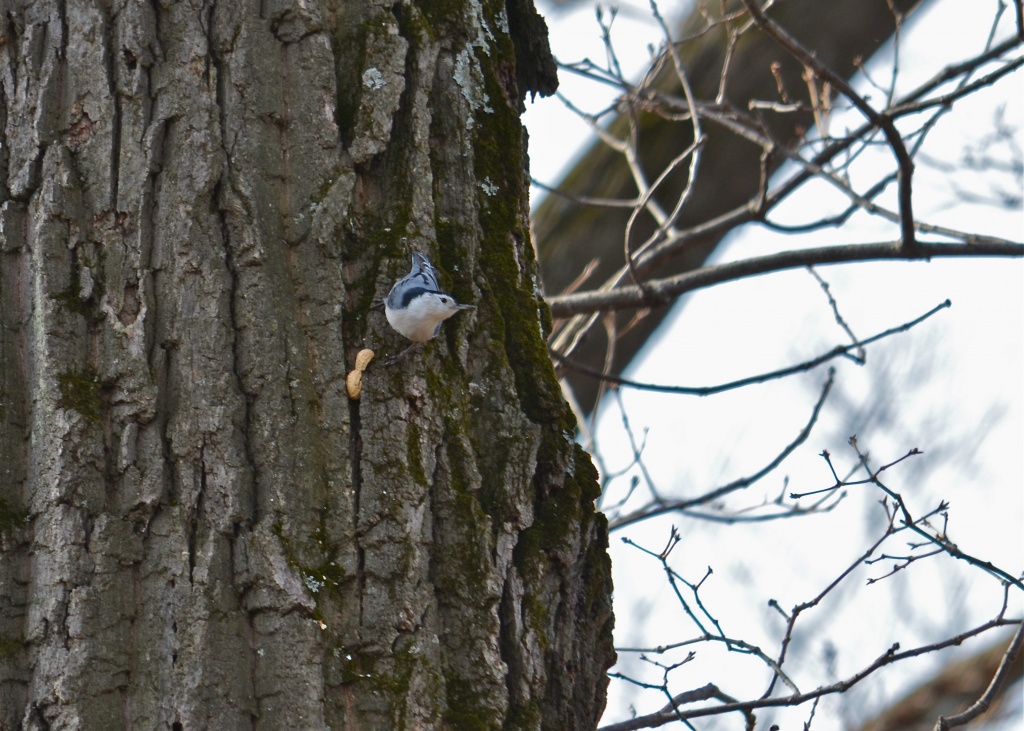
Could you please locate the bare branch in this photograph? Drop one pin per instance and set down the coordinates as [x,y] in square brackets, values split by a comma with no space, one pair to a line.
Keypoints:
[983,703]
[942,541]
[660,508]
[663,290]
[653,720]
[916,101]
[836,352]
[889,657]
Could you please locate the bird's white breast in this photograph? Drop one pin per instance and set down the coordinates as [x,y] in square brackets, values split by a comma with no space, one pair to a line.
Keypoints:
[420,319]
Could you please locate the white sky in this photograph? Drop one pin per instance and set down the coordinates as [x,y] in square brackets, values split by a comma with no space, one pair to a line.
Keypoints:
[952,387]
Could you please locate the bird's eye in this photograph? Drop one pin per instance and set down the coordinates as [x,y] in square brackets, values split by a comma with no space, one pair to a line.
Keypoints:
[444,300]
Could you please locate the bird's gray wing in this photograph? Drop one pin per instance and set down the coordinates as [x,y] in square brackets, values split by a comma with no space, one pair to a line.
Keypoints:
[423,272]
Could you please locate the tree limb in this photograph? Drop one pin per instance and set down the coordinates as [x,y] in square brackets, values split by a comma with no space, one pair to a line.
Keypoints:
[658,292]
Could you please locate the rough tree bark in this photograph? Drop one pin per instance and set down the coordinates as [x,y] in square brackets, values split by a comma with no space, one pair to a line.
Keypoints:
[199,203]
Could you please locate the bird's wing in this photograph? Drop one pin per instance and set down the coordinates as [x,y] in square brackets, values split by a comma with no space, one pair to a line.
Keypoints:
[423,272]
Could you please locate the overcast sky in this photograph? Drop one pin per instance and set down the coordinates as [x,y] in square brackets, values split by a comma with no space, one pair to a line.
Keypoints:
[952,387]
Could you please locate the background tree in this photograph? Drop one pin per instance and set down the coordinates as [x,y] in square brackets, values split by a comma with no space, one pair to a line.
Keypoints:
[200,202]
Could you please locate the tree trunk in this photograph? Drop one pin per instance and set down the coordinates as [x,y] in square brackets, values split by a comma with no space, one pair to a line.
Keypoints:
[200,529]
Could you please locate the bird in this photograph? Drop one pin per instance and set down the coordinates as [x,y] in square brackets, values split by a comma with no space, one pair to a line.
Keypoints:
[415,307]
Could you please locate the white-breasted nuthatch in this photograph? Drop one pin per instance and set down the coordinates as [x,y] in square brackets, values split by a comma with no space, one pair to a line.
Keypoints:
[416,306]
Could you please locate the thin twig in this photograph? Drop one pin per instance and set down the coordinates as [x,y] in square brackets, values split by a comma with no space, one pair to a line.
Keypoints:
[881,120]
[836,352]
[860,358]
[649,511]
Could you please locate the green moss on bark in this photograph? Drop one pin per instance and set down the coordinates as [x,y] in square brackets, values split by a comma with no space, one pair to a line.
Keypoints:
[9,647]
[81,391]
[467,711]
[10,517]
